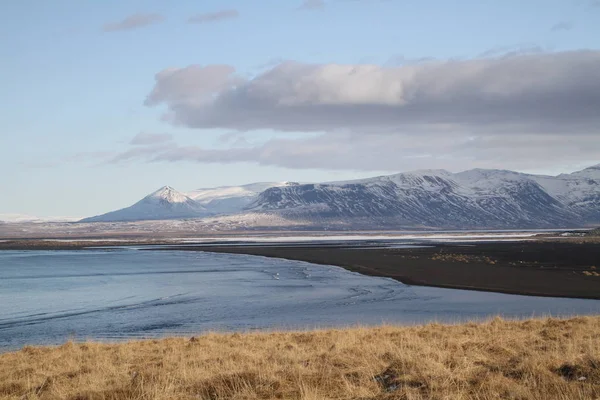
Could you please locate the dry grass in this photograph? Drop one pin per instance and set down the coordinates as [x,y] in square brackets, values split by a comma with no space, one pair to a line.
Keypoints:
[536,359]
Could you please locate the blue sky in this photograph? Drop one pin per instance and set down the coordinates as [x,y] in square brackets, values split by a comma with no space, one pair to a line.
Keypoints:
[76,76]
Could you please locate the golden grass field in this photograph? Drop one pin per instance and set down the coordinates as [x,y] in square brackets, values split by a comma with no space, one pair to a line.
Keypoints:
[534,359]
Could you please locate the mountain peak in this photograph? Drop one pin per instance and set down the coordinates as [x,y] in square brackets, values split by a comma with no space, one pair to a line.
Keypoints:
[165,203]
[427,172]
[167,193]
[592,172]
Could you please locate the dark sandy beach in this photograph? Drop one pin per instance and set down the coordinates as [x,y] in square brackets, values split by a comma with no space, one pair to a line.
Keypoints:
[537,268]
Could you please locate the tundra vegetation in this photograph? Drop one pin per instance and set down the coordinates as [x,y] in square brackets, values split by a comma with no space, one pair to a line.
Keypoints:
[531,359]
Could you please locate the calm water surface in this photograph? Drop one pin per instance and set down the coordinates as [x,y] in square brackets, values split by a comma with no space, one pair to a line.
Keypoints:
[47,297]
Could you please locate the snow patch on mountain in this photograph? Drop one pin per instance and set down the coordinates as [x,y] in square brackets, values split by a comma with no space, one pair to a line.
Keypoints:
[169,195]
[472,199]
[231,199]
[580,191]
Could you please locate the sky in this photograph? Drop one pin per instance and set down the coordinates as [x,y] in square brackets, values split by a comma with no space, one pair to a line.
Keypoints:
[103,102]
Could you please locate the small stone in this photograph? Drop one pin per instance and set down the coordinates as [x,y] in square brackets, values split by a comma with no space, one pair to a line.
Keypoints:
[392,388]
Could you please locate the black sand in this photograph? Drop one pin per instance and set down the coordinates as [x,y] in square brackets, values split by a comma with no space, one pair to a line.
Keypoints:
[557,269]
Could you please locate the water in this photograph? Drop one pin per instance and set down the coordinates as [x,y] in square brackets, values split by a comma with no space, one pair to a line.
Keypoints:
[47,297]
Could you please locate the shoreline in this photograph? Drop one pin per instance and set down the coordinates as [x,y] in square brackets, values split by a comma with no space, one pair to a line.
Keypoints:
[539,266]
[532,268]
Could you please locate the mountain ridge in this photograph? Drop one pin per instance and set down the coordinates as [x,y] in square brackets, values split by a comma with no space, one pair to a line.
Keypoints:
[472,199]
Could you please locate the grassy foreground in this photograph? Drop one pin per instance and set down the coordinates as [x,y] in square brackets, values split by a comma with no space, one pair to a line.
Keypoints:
[534,359]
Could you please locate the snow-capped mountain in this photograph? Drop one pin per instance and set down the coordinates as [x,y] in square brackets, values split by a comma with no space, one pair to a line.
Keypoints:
[439,199]
[231,199]
[580,191]
[165,203]
[474,199]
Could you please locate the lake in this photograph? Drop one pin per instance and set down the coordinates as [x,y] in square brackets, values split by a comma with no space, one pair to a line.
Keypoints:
[48,297]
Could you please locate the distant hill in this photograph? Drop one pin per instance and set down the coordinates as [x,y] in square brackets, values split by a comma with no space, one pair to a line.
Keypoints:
[593,232]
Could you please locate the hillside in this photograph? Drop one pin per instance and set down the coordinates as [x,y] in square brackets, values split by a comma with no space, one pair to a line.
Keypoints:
[165,203]
[534,359]
[440,199]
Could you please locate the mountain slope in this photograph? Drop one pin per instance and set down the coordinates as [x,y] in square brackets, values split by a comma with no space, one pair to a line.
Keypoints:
[165,203]
[231,199]
[471,199]
[580,191]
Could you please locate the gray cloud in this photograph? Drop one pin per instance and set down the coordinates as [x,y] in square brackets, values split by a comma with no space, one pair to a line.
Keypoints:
[338,151]
[562,26]
[312,5]
[141,152]
[511,51]
[142,138]
[525,111]
[133,22]
[524,93]
[213,17]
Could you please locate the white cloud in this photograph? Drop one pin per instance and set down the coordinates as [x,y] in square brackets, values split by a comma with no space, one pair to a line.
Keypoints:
[562,26]
[133,22]
[213,17]
[143,138]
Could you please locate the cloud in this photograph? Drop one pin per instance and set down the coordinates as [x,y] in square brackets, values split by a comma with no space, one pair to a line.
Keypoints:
[133,22]
[522,111]
[142,138]
[141,152]
[337,151]
[234,138]
[312,5]
[89,156]
[268,64]
[191,85]
[401,60]
[511,51]
[213,17]
[562,26]
[524,93]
